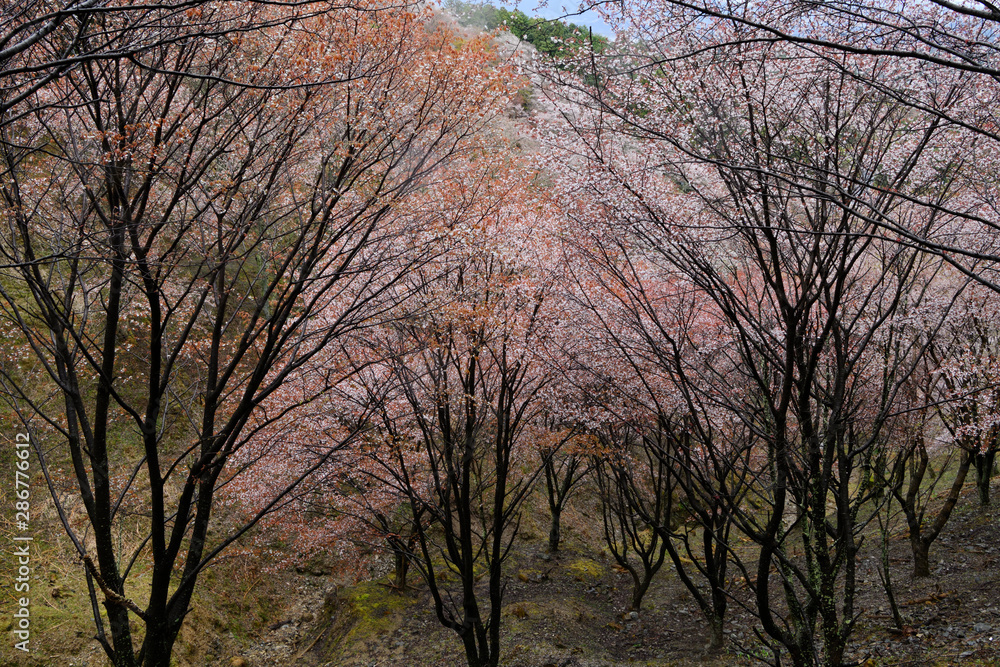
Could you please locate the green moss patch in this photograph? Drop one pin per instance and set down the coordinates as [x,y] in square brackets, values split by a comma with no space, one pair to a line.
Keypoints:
[586,570]
[374,610]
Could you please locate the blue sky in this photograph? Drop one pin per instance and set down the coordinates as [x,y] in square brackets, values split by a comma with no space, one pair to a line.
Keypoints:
[558,9]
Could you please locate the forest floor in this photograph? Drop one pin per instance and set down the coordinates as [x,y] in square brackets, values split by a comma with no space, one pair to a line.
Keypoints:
[567,610]
[560,610]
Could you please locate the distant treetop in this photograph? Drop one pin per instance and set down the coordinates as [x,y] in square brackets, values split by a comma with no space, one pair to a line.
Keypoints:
[552,37]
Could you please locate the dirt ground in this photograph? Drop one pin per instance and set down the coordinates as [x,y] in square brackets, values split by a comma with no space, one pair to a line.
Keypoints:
[562,610]
[567,610]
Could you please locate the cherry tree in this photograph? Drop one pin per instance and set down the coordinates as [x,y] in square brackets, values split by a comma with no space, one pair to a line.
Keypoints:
[924,44]
[949,390]
[186,231]
[911,477]
[969,393]
[450,387]
[43,41]
[636,499]
[766,179]
[565,461]
[679,466]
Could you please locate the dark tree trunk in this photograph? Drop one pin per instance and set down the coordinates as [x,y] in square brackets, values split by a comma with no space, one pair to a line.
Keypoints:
[554,531]
[571,469]
[921,562]
[984,475]
[641,585]
[920,540]
[402,567]
[716,636]
[479,650]
[471,650]
[158,645]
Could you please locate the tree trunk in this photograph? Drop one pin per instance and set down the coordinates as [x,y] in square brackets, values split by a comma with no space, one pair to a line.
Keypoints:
[716,637]
[717,617]
[801,657]
[158,645]
[641,585]
[921,563]
[478,651]
[402,566]
[834,647]
[920,540]
[121,635]
[984,475]
[554,531]
[471,650]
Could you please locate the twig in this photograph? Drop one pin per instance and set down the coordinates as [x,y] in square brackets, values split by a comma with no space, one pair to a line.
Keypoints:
[109,594]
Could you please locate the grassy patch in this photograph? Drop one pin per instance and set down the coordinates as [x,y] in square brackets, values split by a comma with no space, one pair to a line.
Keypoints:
[374,610]
[586,570]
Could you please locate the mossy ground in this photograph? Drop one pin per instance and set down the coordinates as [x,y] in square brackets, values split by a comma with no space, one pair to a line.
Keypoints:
[566,609]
